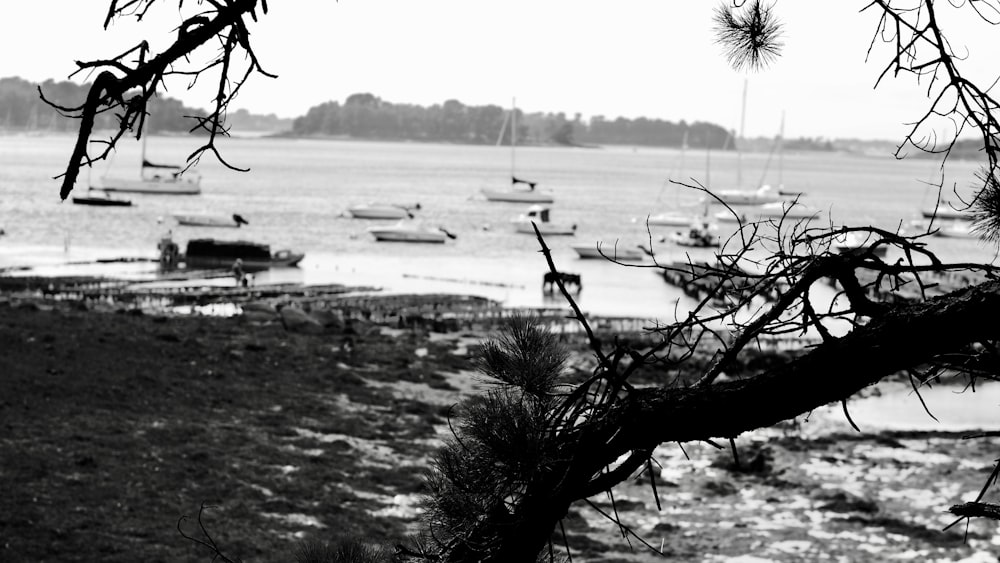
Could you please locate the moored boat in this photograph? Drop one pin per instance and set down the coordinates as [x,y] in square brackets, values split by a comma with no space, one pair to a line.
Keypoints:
[539,215]
[852,243]
[670,219]
[163,179]
[207,220]
[781,210]
[957,229]
[760,196]
[609,252]
[700,234]
[515,194]
[410,232]
[102,200]
[382,211]
[212,253]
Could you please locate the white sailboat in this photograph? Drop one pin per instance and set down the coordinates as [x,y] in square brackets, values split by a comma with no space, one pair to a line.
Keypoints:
[514,194]
[676,217]
[156,179]
[739,196]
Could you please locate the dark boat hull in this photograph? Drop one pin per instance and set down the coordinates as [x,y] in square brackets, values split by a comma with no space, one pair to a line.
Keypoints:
[102,201]
[211,253]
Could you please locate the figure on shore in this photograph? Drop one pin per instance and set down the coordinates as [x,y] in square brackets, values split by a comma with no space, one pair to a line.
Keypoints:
[238,274]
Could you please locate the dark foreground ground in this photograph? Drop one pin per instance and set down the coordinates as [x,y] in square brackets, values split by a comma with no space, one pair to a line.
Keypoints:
[115,425]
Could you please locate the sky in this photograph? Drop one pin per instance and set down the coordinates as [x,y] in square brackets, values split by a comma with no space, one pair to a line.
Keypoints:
[629,58]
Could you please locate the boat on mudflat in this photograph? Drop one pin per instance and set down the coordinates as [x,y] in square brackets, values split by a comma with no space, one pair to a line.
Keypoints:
[410,232]
[208,220]
[212,253]
[609,251]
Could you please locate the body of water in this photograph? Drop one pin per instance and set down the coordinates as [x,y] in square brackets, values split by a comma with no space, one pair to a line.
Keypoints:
[297,193]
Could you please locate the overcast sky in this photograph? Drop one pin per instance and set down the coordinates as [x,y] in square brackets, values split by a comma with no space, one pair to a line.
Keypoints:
[653,58]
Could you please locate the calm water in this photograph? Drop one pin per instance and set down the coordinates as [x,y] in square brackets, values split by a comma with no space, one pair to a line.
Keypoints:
[298,190]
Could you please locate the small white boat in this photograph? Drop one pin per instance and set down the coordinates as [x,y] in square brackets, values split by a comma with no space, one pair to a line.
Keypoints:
[518,196]
[609,251]
[382,211]
[852,243]
[538,215]
[957,229]
[410,232]
[760,196]
[945,211]
[209,220]
[669,219]
[701,234]
[787,210]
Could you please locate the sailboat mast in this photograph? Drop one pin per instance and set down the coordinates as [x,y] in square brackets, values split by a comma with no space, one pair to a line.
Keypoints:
[781,151]
[513,132]
[739,141]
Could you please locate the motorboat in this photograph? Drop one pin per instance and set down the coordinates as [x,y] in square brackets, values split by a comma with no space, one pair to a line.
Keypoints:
[410,232]
[957,229]
[101,198]
[780,210]
[945,211]
[760,196]
[539,216]
[208,220]
[382,211]
[700,234]
[609,252]
[212,253]
[164,179]
[516,194]
[669,219]
[851,243]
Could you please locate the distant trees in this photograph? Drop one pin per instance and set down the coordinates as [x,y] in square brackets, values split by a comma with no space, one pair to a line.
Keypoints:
[365,116]
[22,109]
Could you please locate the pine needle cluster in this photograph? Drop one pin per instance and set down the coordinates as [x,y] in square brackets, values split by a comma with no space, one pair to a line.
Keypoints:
[750,34]
[502,441]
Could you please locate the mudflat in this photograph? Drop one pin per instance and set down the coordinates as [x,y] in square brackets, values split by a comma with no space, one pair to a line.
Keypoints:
[115,424]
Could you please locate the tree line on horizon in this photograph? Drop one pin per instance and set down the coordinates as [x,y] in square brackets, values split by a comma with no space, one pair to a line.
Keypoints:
[21,108]
[365,116]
